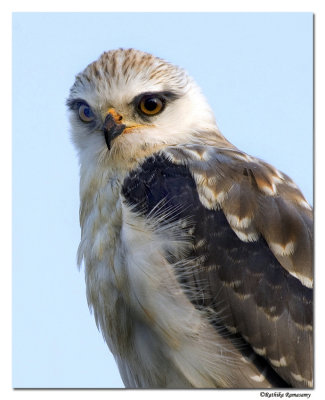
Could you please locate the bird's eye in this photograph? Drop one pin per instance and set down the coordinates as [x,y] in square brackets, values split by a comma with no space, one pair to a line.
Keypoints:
[85,113]
[151,104]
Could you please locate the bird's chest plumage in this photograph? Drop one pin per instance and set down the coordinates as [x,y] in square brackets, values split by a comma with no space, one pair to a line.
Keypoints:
[129,284]
[100,247]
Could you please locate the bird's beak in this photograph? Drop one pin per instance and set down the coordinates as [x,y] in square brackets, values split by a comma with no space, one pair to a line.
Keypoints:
[112,126]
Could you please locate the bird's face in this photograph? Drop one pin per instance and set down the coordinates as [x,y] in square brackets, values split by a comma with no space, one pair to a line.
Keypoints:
[129,102]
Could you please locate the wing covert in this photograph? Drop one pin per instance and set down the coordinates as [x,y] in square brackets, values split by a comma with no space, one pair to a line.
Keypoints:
[251,248]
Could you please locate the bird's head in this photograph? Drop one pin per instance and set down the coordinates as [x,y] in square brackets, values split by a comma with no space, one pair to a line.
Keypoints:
[129,103]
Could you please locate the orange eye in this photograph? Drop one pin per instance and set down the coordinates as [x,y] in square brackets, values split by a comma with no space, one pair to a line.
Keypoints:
[85,113]
[151,104]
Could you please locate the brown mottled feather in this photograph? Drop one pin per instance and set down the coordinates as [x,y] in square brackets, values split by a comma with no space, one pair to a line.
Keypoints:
[276,326]
[278,216]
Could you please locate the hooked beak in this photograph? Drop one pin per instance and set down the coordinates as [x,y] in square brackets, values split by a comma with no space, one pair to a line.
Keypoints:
[112,127]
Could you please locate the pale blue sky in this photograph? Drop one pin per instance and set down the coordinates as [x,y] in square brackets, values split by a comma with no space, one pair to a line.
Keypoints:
[256,71]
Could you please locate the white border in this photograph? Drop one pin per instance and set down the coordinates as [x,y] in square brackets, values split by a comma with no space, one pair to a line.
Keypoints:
[317,7]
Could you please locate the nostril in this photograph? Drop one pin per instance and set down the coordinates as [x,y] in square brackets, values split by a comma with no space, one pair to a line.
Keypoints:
[116,116]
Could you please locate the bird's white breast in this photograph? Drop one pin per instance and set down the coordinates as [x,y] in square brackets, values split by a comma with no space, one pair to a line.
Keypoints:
[118,251]
[159,339]
[100,217]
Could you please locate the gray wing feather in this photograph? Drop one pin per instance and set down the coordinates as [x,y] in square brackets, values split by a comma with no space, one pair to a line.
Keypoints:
[252,249]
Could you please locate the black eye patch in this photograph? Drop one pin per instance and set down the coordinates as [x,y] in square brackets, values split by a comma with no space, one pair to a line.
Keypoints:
[148,104]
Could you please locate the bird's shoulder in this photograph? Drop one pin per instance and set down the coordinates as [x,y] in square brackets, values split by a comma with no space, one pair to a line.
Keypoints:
[256,199]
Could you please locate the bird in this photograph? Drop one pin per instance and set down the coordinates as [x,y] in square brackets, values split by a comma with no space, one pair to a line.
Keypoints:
[198,257]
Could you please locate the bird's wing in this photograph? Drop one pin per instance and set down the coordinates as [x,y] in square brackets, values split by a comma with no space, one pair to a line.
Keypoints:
[252,244]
